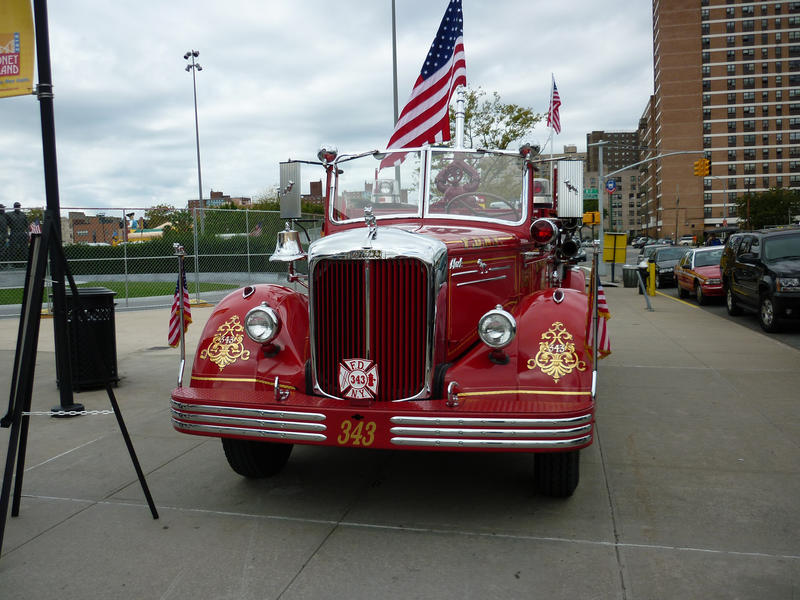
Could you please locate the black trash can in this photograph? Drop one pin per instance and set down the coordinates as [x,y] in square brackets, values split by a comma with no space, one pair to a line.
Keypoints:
[629,278]
[92,339]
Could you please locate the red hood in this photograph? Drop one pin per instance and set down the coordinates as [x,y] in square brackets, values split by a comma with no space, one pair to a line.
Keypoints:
[709,272]
[464,238]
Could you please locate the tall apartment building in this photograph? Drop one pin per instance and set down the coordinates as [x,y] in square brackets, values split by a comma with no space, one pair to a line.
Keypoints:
[622,208]
[726,83]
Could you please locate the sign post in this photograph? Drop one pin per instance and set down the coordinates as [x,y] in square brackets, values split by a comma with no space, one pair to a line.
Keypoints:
[614,249]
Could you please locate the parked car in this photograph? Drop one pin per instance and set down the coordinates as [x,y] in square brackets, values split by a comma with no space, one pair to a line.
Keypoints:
[762,273]
[665,257]
[647,251]
[686,240]
[698,273]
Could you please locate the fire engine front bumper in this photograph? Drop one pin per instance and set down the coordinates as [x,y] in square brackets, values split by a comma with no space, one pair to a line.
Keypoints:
[508,423]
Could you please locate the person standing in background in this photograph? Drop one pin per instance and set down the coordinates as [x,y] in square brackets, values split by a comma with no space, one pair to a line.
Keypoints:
[3,236]
[18,233]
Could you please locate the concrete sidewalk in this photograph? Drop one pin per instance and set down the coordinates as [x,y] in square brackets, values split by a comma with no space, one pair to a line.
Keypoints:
[690,490]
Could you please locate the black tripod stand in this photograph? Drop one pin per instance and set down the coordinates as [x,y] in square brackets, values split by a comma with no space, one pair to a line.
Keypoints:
[19,405]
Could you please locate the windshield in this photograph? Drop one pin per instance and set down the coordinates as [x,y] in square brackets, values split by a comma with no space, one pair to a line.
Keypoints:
[708,258]
[476,185]
[783,247]
[670,254]
[463,185]
[391,191]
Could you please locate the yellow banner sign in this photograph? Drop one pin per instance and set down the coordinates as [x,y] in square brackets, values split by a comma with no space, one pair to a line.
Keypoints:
[614,248]
[17,43]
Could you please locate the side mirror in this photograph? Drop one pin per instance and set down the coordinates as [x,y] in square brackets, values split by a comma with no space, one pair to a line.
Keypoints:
[747,258]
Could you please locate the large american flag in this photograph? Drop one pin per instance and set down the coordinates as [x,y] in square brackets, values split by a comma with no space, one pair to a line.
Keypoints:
[426,117]
[553,118]
[181,295]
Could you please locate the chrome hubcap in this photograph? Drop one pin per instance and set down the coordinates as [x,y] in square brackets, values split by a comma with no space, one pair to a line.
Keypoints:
[767,313]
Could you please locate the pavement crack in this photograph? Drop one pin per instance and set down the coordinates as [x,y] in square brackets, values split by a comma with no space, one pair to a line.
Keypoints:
[613,513]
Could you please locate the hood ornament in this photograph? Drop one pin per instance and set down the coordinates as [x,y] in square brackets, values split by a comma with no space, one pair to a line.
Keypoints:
[370,221]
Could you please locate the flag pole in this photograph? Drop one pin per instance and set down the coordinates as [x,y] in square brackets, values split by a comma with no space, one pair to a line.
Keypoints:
[550,124]
[181,253]
[595,316]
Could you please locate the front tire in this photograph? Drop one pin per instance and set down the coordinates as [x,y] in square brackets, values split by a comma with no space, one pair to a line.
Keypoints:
[698,293]
[556,474]
[730,302]
[256,460]
[766,314]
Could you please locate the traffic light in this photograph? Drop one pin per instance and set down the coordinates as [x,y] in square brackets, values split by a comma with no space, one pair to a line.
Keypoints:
[702,167]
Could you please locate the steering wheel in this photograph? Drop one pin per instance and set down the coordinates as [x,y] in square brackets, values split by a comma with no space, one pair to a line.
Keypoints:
[462,200]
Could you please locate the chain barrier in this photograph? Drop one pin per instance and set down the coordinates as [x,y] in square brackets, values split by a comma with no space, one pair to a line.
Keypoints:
[65,413]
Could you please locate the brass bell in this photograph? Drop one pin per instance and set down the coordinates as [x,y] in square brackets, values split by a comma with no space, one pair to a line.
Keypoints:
[288,247]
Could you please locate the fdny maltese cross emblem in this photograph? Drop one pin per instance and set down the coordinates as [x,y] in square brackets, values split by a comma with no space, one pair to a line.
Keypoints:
[358,378]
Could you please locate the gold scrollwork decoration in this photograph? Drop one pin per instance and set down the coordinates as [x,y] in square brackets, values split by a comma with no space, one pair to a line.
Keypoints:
[226,347]
[557,356]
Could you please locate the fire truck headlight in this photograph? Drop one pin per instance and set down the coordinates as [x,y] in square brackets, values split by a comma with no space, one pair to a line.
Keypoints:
[262,324]
[497,328]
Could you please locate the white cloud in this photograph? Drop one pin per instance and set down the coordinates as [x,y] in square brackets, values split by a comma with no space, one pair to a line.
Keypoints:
[281,77]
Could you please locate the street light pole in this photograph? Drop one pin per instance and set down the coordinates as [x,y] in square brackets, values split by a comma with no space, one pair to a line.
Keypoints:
[195,66]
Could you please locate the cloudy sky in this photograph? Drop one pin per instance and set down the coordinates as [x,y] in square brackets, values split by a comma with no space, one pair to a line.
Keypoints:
[281,77]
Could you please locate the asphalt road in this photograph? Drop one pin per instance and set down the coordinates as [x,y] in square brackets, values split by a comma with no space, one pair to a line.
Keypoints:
[791,329]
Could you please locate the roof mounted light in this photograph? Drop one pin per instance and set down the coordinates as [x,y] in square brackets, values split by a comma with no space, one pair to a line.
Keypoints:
[543,231]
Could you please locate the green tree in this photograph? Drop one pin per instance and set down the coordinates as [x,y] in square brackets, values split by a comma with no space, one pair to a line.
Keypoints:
[776,206]
[491,123]
[180,219]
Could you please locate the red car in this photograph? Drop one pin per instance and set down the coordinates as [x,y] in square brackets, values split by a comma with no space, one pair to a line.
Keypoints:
[698,273]
[452,317]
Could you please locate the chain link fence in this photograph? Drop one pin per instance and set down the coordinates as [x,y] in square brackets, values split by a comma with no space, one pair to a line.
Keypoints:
[225,249]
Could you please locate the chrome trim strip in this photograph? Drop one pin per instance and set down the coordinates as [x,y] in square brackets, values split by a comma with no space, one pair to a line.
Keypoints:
[491,422]
[247,422]
[246,432]
[473,271]
[247,412]
[491,433]
[481,280]
[471,443]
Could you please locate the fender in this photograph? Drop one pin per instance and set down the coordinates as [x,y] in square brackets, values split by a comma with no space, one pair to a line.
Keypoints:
[227,357]
[548,361]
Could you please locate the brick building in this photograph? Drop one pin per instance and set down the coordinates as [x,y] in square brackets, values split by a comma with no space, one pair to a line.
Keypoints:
[727,84]
[84,229]
[218,199]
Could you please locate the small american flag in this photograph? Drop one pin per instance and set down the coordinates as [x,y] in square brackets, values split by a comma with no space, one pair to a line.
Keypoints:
[256,231]
[181,296]
[425,119]
[603,315]
[553,118]
[35,227]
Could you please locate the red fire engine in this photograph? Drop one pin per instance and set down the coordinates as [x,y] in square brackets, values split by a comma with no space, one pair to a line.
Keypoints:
[450,315]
